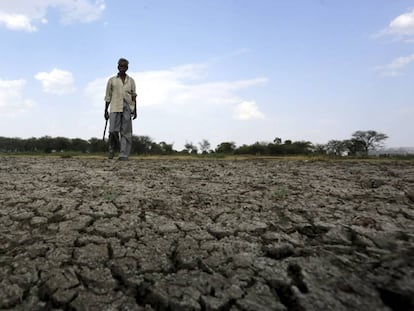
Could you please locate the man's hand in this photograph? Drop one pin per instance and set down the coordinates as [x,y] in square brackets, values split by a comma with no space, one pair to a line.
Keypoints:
[106,114]
[134,112]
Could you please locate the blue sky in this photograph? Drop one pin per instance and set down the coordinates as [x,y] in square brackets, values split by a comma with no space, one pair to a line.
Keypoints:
[221,70]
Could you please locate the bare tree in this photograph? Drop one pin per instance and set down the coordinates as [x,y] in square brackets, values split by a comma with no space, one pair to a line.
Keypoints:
[191,148]
[204,146]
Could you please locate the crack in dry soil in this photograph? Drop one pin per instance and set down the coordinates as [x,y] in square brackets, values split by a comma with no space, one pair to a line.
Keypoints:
[93,234]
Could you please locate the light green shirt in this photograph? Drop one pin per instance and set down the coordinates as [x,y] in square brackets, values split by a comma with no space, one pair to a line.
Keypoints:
[117,92]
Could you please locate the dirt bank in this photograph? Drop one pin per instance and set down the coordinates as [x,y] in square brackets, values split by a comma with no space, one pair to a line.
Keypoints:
[94,234]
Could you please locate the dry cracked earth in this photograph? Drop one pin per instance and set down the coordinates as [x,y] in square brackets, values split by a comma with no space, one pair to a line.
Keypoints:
[239,235]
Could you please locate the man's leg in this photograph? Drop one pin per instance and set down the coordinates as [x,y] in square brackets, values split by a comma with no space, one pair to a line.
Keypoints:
[113,144]
[126,133]
[114,129]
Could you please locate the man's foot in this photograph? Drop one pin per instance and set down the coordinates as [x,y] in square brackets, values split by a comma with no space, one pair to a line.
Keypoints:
[122,159]
[111,155]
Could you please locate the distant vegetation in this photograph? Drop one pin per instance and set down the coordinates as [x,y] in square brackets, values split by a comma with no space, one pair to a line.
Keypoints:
[360,143]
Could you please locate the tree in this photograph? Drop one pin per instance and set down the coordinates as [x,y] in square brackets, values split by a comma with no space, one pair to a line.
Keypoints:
[79,144]
[243,149]
[155,148]
[45,144]
[259,148]
[141,144]
[61,143]
[297,147]
[319,149]
[301,147]
[7,144]
[96,145]
[30,145]
[277,141]
[191,148]
[166,148]
[276,148]
[204,146]
[337,147]
[354,146]
[226,147]
[370,140]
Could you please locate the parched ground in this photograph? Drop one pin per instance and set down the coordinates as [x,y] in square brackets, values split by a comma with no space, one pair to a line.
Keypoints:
[94,234]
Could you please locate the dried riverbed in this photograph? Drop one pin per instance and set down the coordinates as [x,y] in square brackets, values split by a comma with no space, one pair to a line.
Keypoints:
[94,234]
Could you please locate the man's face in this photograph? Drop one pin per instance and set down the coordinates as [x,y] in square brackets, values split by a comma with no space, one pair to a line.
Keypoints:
[122,67]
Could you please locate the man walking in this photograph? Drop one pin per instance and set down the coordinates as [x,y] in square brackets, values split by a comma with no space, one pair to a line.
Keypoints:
[121,97]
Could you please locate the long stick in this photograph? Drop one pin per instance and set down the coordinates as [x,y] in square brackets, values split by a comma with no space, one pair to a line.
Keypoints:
[106,124]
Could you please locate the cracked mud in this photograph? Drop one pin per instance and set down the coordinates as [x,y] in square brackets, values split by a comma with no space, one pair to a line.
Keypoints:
[93,234]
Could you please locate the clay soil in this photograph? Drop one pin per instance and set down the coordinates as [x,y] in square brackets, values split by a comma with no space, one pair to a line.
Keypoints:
[173,234]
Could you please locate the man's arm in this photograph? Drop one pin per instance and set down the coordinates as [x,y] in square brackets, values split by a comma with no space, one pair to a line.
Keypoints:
[106,114]
[134,113]
[134,99]
[108,96]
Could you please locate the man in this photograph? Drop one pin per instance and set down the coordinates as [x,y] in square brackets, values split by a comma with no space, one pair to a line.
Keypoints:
[121,96]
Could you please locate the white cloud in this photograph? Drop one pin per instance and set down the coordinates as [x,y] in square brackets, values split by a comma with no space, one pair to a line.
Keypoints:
[248,110]
[16,22]
[81,11]
[57,81]
[394,68]
[180,86]
[12,100]
[401,26]
[24,14]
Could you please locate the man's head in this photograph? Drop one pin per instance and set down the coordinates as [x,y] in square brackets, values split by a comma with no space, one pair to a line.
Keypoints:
[122,65]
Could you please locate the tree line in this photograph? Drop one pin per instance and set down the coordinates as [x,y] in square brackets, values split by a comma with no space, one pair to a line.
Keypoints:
[360,143]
